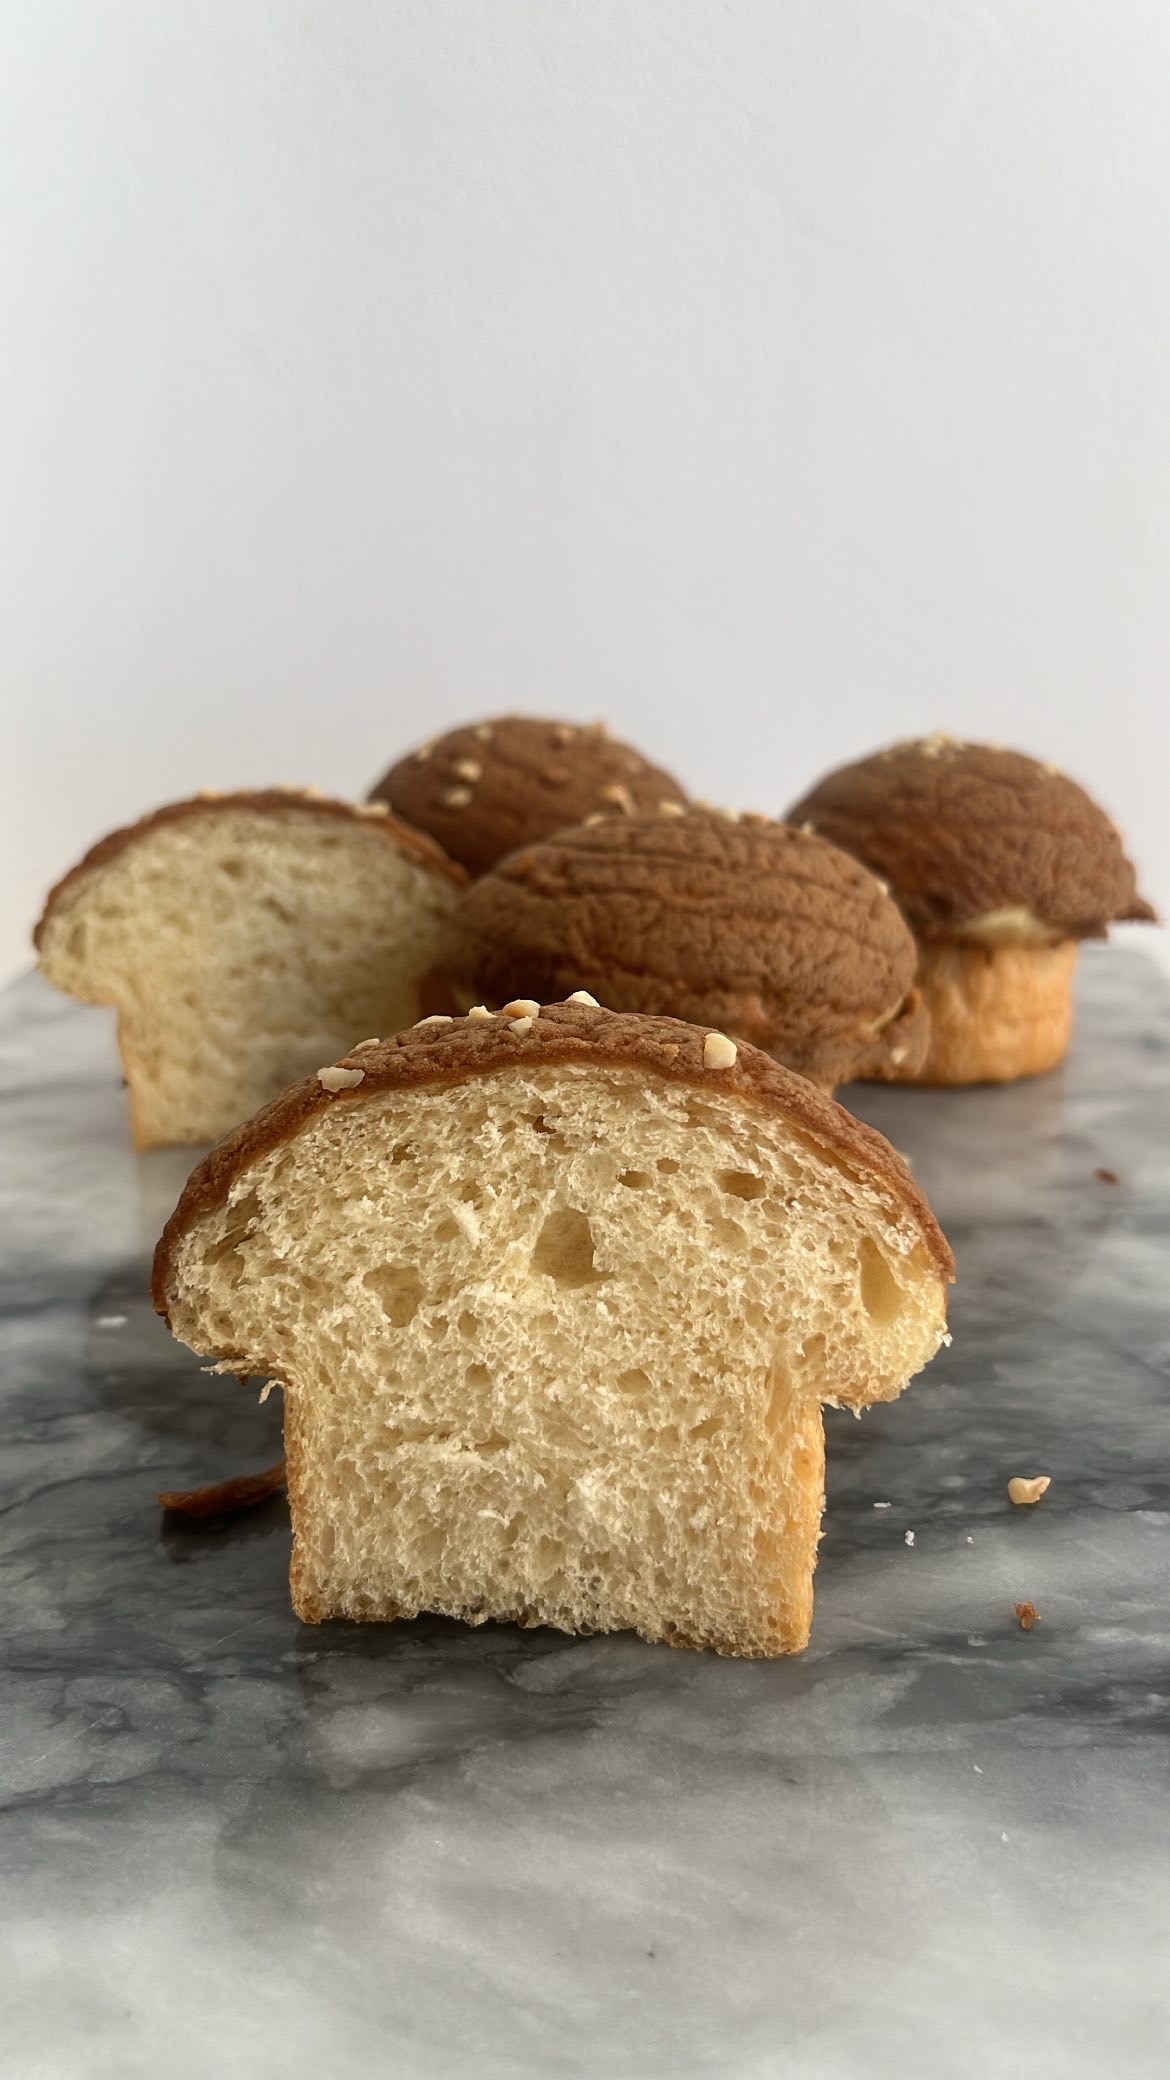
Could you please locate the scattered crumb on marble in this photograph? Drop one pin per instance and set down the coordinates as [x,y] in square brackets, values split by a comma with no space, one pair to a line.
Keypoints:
[1106,1177]
[1024,1490]
[111,1321]
[1028,1616]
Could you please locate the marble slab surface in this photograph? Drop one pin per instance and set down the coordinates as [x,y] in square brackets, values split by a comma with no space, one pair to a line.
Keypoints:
[933,1846]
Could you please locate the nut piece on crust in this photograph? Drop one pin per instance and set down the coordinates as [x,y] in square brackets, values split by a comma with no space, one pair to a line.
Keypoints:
[594,1294]
[242,940]
[483,790]
[1001,865]
[758,931]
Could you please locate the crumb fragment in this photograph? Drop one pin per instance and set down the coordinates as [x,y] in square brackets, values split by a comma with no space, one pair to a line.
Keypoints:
[111,1321]
[719,1052]
[1023,1491]
[908,1537]
[225,1498]
[334,1079]
[1107,1177]
[883,1505]
[1028,1616]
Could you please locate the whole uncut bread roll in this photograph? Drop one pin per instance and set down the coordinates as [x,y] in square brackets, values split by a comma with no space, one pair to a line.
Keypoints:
[240,939]
[768,933]
[482,790]
[556,1297]
[1001,865]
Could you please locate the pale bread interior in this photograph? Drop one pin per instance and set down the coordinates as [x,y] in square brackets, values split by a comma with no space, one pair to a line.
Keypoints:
[243,948]
[554,1345]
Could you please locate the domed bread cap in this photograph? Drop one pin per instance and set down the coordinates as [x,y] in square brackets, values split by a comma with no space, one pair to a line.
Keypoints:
[978,842]
[483,790]
[556,1297]
[764,932]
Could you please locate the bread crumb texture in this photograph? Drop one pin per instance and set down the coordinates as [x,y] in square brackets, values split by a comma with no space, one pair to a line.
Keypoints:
[243,941]
[485,789]
[967,833]
[765,933]
[555,1317]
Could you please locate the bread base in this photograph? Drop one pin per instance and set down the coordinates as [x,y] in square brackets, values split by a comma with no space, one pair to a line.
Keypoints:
[996,1012]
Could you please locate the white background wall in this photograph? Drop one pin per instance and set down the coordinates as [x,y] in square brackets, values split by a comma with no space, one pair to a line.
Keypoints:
[773,378]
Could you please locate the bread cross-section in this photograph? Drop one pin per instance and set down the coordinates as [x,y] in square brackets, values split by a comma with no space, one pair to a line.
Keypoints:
[242,939]
[556,1301]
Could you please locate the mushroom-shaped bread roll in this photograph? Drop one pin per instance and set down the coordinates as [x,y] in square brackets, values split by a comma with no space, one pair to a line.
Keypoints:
[242,938]
[556,1297]
[1000,865]
[483,790]
[767,933]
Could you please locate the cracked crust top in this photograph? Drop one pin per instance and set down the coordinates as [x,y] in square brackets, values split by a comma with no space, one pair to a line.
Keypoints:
[265,801]
[773,935]
[443,1051]
[483,790]
[968,832]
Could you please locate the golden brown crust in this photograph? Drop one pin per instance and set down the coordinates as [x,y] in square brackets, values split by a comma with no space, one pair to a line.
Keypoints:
[444,1054]
[485,789]
[264,801]
[749,926]
[996,1012]
[961,831]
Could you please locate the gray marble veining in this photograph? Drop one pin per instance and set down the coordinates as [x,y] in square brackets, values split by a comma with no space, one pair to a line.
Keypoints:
[933,1846]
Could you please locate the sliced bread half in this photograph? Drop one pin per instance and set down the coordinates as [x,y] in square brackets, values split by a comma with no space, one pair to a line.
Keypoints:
[556,1297]
[243,938]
